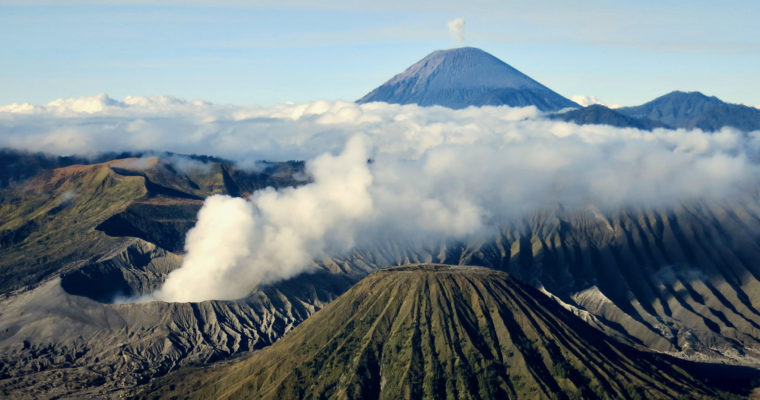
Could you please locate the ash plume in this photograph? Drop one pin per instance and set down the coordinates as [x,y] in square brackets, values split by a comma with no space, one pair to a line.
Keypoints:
[456,29]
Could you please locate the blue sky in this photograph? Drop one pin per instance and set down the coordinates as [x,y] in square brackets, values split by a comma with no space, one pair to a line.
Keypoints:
[268,52]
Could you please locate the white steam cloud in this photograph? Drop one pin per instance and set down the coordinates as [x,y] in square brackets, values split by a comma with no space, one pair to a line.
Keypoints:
[238,244]
[435,174]
[456,29]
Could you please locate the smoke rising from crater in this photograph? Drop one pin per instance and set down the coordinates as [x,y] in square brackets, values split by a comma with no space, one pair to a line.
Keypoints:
[238,244]
[456,29]
[435,174]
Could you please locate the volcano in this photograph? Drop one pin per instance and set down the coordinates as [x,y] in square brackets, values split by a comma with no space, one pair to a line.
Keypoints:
[464,77]
[437,331]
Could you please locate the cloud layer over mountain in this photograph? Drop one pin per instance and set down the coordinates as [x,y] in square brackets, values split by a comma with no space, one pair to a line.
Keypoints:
[435,173]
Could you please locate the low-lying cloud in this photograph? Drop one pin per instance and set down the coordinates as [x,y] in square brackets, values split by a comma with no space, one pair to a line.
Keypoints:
[387,172]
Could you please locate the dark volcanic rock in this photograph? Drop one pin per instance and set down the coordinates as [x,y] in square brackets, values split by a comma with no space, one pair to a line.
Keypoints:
[137,268]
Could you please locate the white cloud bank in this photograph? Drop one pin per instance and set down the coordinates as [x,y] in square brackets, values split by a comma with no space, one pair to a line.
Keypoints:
[98,104]
[435,174]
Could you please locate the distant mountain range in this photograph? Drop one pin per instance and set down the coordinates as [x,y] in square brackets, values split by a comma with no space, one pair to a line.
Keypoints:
[464,77]
[695,110]
[459,78]
[597,114]
[692,110]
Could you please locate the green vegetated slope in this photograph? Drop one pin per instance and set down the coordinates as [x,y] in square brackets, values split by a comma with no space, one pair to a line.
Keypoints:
[49,221]
[64,218]
[436,332]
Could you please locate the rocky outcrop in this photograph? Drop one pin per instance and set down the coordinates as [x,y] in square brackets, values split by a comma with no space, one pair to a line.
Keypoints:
[133,269]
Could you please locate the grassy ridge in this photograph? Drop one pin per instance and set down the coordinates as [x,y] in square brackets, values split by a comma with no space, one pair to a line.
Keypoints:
[437,332]
[64,217]
[50,220]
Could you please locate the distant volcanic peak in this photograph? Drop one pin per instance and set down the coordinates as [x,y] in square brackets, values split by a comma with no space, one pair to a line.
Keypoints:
[465,68]
[463,77]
